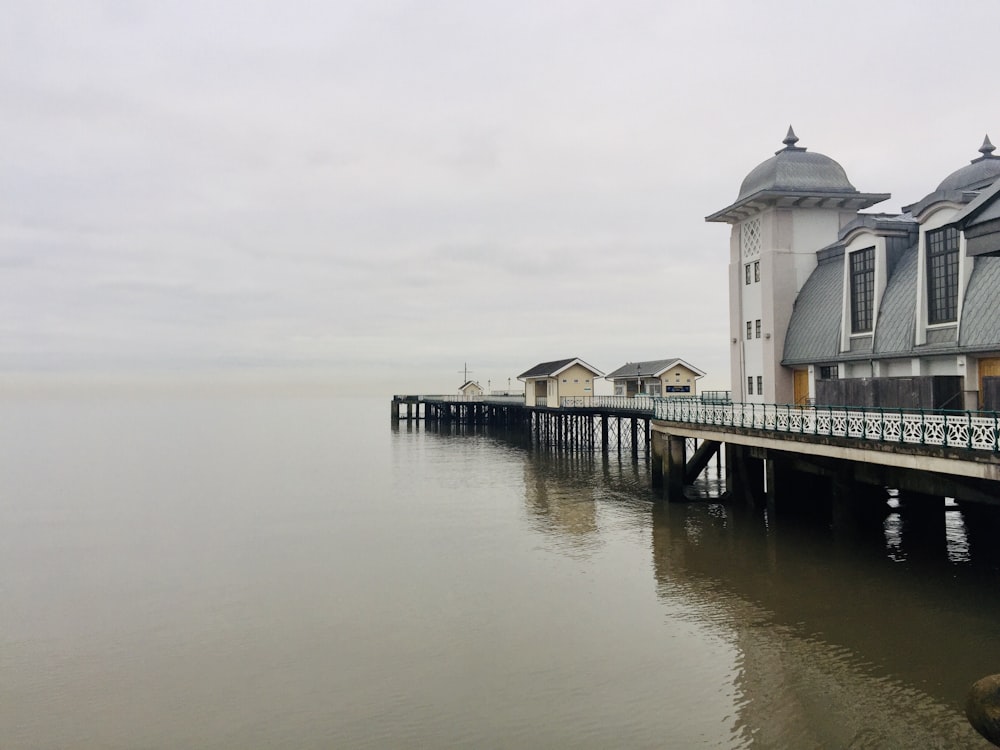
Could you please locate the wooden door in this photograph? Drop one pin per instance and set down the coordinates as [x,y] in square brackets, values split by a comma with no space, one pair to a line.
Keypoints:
[800,386]
[988,368]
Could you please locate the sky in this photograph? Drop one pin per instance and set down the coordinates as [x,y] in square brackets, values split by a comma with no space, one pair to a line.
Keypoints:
[379,195]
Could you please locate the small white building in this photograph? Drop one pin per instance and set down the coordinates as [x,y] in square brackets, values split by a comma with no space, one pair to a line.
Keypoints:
[471,388]
[656,377]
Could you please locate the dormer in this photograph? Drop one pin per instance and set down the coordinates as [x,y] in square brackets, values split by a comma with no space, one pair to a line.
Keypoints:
[944,267]
[872,245]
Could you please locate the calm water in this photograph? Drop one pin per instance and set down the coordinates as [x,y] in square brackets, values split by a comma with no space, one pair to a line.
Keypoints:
[281,569]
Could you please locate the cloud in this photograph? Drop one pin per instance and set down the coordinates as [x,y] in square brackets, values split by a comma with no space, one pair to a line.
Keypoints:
[349,186]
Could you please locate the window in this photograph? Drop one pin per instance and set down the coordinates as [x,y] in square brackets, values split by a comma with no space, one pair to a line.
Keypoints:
[750,238]
[749,329]
[942,275]
[749,385]
[756,270]
[862,289]
[746,274]
[760,385]
[756,328]
[828,372]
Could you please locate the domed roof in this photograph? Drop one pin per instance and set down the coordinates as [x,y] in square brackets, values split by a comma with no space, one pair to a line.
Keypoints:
[795,170]
[978,173]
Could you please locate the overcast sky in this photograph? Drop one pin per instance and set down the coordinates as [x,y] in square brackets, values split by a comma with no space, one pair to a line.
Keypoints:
[376,193]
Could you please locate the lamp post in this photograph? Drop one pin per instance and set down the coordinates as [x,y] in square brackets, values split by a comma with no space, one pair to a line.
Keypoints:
[638,380]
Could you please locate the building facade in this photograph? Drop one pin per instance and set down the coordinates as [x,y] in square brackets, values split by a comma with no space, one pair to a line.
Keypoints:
[788,207]
[828,305]
[547,382]
[657,377]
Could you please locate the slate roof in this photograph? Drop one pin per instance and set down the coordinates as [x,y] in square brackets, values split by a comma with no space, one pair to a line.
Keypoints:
[976,174]
[797,175]
[650,368]
[981,311]
[551,369]
[794,169]
[896,325]
[983,208]
[814,329]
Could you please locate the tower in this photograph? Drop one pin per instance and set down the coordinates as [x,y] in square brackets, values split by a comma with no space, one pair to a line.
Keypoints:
[788,207]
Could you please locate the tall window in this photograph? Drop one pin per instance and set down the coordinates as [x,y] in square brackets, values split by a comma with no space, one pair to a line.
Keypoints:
[748,330]
[749,385]
[756,270]
[760,385]
[746,273]
[756,328]
[862,289]
[942,275]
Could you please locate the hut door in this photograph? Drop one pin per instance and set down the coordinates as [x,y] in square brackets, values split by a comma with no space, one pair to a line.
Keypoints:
[800,386]
[989,371]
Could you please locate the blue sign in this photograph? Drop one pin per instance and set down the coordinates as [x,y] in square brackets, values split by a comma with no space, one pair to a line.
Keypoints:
[678,389]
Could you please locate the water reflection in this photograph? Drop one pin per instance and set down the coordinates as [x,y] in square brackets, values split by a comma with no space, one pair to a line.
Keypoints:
[861,639]
[858,640]
[956,539]
[558,495]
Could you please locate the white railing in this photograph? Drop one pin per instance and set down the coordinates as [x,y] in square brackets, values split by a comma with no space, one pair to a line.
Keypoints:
[448,398]
[630,403]
[965,429]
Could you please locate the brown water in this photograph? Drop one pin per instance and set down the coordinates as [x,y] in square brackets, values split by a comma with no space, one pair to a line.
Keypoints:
[267,568]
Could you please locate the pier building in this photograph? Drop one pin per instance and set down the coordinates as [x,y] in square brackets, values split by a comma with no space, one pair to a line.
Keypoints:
[547,382]
[788,207]
[656,377]
[471,388]
[832,306]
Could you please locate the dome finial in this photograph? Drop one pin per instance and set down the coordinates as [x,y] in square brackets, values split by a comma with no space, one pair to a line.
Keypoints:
[790,140]
[987,148]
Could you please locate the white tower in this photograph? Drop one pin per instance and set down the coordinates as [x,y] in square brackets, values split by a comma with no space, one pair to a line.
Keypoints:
[788,207]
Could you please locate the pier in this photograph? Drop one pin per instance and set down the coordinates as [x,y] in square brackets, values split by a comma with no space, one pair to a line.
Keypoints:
[834,462]
[607,424]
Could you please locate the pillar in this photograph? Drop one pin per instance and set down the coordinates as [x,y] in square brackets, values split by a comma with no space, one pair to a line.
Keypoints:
[674,466]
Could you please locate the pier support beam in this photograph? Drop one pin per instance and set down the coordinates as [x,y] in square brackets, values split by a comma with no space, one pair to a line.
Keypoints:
[657,459]
[856,507]
[792,491]
[924,523]
[676,461]
[744,475]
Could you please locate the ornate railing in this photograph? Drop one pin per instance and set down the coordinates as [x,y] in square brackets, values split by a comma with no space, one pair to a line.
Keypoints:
[975,430]
[627,403]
